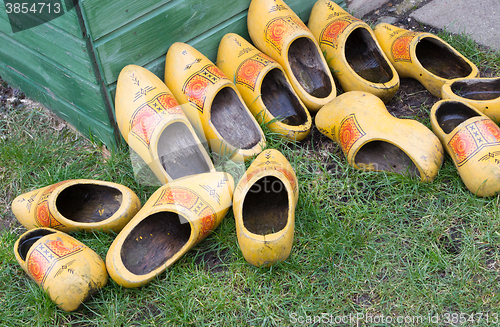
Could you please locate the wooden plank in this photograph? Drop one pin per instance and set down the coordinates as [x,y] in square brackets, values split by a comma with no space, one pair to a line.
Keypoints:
[105,16]
[86,124]
[54,43]
[67,22]
[145,41]
[53,77]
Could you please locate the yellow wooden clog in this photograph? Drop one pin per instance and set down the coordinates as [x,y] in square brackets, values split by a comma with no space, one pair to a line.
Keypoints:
[212,98]
[473,142]
[264,209]
[174,219]
[156,128]
[65,268]
[264,87]
[481,93]
[77,204]
[372,139]
[423,56]
[352,51]
[278,32]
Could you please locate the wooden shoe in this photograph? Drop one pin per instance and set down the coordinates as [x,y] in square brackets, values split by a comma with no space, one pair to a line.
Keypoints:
[278,32]
[65,268]
[264,209]
[481,93]
[372,139]
[473,142]
[210,97]
[77,204]
[352,51]
[154,125]
[423,56]
[264,87]
[176,217]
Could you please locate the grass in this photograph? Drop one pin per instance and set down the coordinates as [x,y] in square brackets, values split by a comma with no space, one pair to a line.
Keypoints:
[366,244]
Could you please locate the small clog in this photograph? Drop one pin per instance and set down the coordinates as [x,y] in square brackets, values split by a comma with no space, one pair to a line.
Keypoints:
[423,56]
[264,209]
[352,51]
[174,219]
[473,142]
[372,139]
[279,33]
[207,95]
[264,87]
[69,271]
[77,205]
[481,93]
[156,128]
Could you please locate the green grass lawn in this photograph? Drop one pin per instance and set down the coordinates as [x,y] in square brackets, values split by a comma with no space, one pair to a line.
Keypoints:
[372,246]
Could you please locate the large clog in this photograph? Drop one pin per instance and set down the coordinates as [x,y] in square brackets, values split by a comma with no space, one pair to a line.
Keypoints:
[264,87]
[423,56]
[65,268]
[264,209]
[207,95]
[156,128]
[352,51]
[473,142]
[372,139]
[481,93]
[279,33]
[174,219]
[77,204]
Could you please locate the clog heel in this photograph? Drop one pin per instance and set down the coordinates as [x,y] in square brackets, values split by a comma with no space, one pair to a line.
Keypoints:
[77,205]
[352,51]
[264,87]
[156,128]
[423,56]
[174,219]
[65,268]
[264,209]
[473,142]
[481,93]
[207,95]
[279,33]
[372,139]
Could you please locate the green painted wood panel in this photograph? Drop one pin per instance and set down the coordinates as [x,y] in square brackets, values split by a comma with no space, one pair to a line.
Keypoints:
[145,41]
[54,43]
[86,124]
[105,16]
[53,77]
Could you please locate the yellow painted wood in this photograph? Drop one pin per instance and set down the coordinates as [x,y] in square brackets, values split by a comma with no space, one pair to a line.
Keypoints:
[261,247]
[175,218]
[40,208]
[68,270]
[372,139]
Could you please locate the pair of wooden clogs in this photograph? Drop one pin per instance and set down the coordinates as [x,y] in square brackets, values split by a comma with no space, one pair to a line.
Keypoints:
[173,220]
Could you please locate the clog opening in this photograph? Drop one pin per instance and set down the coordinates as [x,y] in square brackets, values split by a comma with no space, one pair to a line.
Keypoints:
[153,241]
[232,120]
[477,89]
[365,58]
[451,114]
[280,99]
[180,153]
[308,68]
[27,241]
[384,156]
[88,203]
[438,59]
[265,207]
